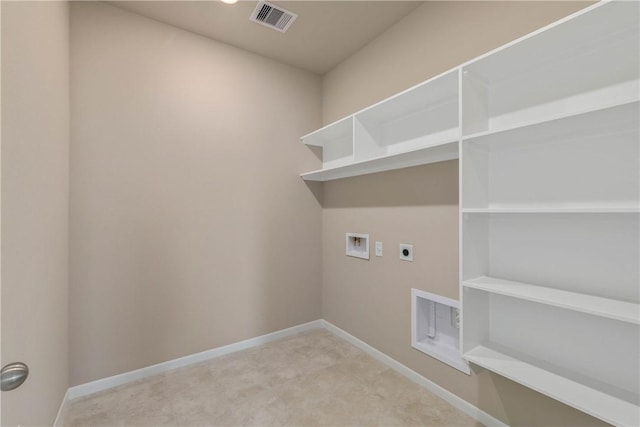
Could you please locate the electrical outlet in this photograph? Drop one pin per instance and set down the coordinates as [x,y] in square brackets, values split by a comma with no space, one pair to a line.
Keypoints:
[378,248]
[406,252]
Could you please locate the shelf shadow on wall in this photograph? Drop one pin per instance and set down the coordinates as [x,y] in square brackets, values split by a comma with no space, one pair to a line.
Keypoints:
[433,184]
[316,188]
[523,406]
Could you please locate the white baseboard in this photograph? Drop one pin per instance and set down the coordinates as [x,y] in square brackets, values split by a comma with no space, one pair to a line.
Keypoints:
[434,388]
[62,411]
[127,377]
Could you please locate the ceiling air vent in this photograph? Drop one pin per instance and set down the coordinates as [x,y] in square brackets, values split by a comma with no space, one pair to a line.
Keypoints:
[273,16]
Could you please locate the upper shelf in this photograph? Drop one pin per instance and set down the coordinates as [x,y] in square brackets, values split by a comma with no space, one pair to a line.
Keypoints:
[426,115]
[588,61]
[415,127]
[598,306]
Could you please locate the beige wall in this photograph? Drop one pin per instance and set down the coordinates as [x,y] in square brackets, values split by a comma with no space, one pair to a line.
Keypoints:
[35,167]
[371,299]
[190,227]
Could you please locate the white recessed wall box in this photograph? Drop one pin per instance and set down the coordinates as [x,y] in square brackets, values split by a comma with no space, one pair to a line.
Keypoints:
[357,245]
[435,328]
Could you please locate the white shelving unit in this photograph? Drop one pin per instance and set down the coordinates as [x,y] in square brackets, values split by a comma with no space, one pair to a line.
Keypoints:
[550,211]
[547,132]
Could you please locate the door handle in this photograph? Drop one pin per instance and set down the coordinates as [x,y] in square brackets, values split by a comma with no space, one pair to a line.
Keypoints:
[13,375]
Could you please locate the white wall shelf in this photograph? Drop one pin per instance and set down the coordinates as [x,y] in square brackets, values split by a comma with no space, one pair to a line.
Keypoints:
[602,405]
[613,309]
[634,98]
[583,210]
[418,126]
[425,116]
[596,254]
[432,154]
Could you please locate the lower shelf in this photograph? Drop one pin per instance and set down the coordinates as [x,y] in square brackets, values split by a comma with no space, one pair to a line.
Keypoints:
[587,399]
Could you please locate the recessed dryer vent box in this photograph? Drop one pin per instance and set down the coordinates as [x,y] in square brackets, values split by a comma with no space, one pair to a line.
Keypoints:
[358,245]
[435,328]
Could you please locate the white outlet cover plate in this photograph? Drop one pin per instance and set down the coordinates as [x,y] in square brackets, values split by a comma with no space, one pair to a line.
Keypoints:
[409,247]
[378,248]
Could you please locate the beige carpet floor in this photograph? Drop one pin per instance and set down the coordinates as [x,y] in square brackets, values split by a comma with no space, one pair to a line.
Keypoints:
[311,379]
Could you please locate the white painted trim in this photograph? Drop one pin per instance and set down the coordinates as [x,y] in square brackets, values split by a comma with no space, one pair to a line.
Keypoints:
[63,409]
[434,388]
[446,353]
[127,377]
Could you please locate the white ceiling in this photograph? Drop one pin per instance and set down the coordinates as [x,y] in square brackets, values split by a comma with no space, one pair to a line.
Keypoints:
[325,33]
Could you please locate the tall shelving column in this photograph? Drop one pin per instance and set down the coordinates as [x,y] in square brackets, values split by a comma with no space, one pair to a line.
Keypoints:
[549,211]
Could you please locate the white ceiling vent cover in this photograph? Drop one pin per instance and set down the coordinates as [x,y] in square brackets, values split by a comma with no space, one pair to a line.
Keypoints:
[272,16]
